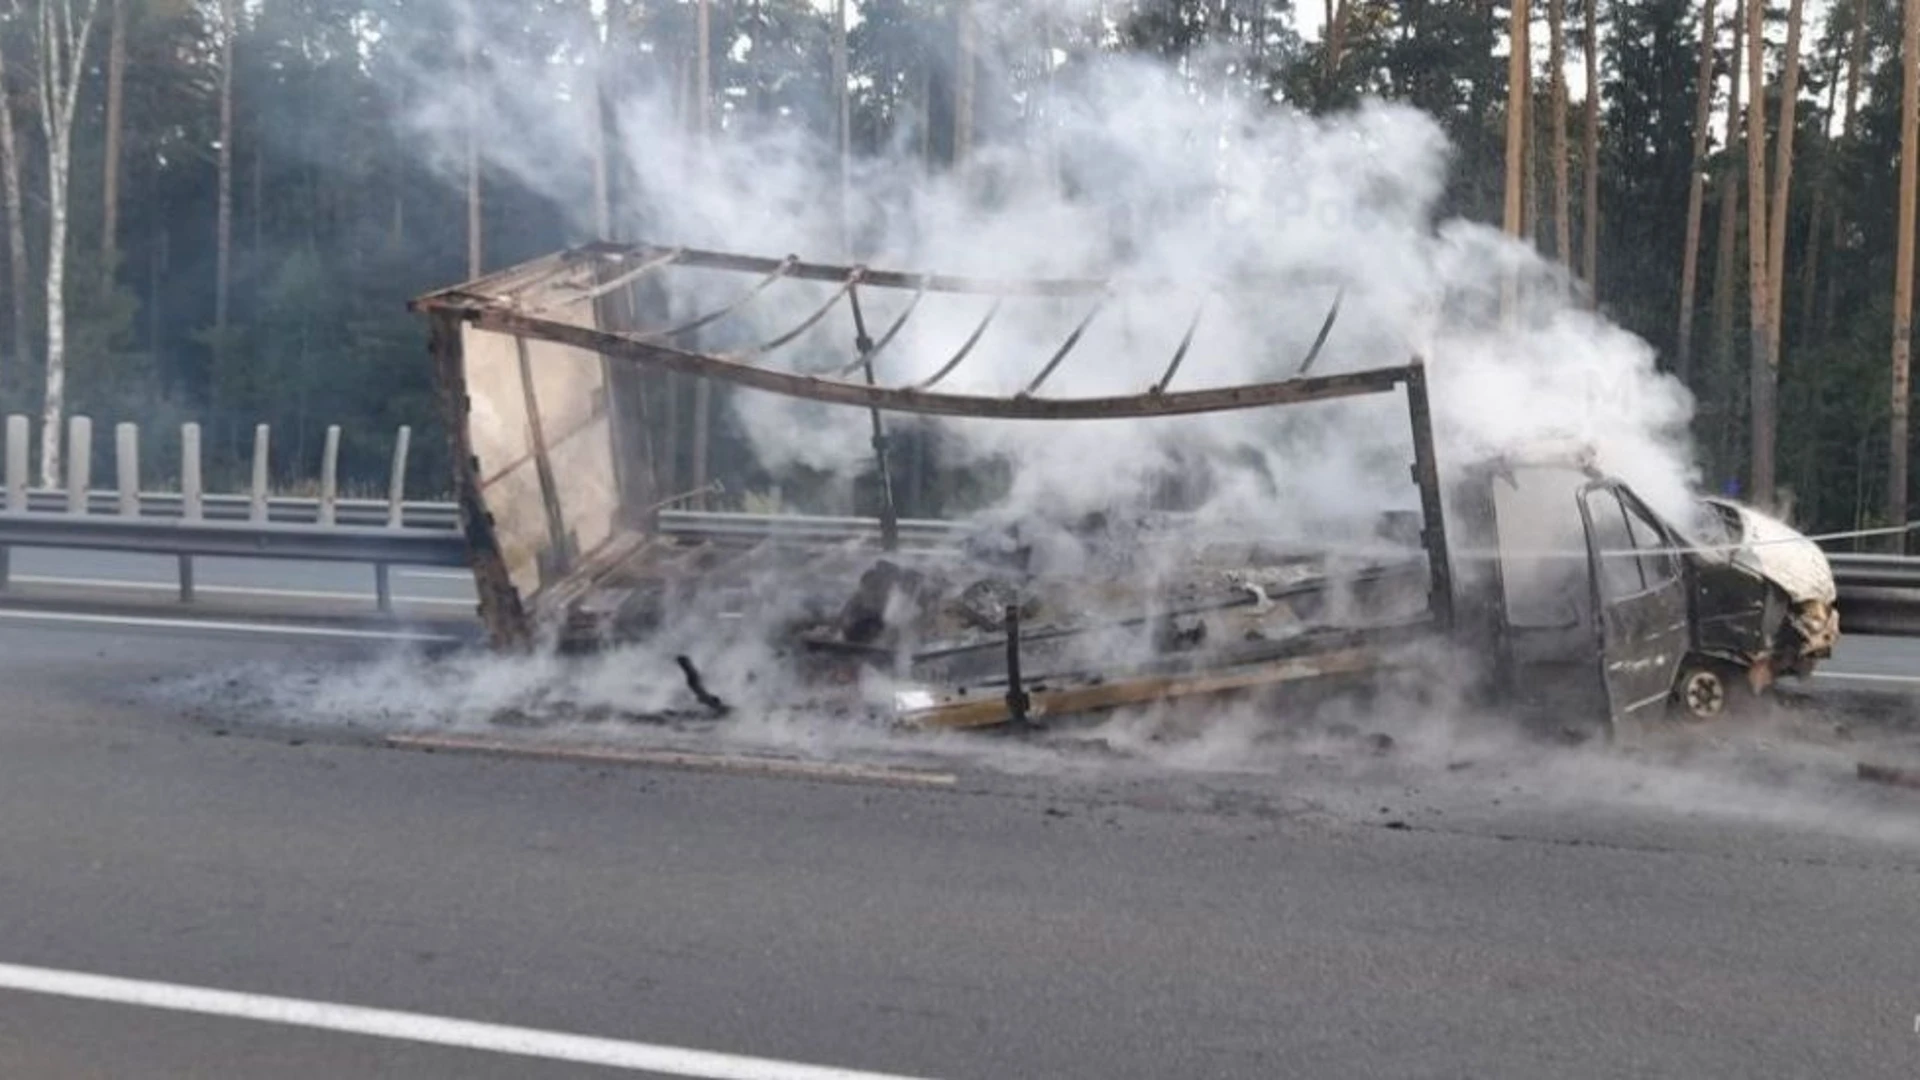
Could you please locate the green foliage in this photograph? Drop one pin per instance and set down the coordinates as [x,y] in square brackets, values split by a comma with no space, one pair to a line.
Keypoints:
[340,214]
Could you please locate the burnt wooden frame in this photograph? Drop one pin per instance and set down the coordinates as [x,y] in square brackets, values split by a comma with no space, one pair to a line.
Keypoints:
[495,303]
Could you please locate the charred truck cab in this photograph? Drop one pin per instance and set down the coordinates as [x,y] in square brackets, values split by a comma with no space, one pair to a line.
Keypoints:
[1590,603]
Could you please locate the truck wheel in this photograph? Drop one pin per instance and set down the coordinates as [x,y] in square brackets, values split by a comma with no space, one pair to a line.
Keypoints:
[1702,692]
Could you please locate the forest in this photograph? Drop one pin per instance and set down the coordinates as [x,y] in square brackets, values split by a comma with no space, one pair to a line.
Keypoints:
[217,209]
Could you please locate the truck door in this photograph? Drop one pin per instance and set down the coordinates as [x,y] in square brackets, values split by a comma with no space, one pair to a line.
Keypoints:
[1640,601]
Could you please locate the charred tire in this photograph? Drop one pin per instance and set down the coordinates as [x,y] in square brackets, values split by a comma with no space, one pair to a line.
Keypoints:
[1707,691]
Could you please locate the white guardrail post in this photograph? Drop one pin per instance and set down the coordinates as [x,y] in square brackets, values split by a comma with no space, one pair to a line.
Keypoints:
[79,463]
[16,477]
[126,467]
[396,507]
[190,509]
[329,476]
[257,513]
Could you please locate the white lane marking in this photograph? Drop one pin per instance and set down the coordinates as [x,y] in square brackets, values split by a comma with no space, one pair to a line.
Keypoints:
[419,1027]
[1862,677]
[228,590]
[437,575]
[268,629]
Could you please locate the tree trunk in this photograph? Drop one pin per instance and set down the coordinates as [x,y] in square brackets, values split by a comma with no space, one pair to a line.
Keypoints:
[601,120]
[223,225]
[703,388]
[1760,362]
[1782,188]
[926,120]
[1562,192]
[1336,35]
[1517,66]
[1696,192]
[16,230]
[1530,117]
[116,119]
[1590,250]
[62,54]
[1817,217]
[964,65]
[1856,56]
[843,127]
[1724,267]
[1898,443]
[257,214]
[476,248]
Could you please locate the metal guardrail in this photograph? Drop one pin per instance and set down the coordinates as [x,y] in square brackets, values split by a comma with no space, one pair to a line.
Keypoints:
[190,523]
[234,539]
[1878,593]
[1875,571]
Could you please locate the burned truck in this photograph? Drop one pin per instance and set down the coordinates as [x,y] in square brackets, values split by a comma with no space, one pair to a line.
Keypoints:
[1532,581]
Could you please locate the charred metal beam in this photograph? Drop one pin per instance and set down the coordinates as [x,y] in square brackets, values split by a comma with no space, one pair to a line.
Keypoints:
[1017,699]
[699,687]
[1180,354]
[560,551]
[617,281]
[910,400]
[889,514]
[1124,691]
[865,359]
[482,291]
[946,283]
[949,283]
[500,608]
[1320,341]
[965,349]
[765,347]
[779,271]
[1066,346]
[1426,475]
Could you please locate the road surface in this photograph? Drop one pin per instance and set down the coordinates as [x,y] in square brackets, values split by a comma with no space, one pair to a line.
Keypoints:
[1037,915]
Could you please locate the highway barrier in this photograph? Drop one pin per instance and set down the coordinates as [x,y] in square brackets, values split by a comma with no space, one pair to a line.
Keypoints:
[1878,594]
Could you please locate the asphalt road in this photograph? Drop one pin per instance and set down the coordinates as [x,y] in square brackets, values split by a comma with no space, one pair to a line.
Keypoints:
[1470,910]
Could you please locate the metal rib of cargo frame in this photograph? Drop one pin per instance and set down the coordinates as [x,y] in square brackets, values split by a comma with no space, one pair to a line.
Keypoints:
[541,373]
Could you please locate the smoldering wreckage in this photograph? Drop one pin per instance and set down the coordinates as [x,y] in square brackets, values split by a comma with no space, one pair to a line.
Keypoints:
[1545,586]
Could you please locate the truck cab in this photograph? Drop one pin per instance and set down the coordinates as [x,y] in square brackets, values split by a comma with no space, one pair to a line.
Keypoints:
[1591,603]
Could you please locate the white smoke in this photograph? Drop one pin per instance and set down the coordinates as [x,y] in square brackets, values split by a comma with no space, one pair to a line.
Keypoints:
[1142,181]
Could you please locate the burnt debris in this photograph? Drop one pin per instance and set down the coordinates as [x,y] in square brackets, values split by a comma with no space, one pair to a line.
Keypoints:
[699,688]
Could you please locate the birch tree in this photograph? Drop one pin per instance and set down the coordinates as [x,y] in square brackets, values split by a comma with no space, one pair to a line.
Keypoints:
[16,216]
[60,38]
